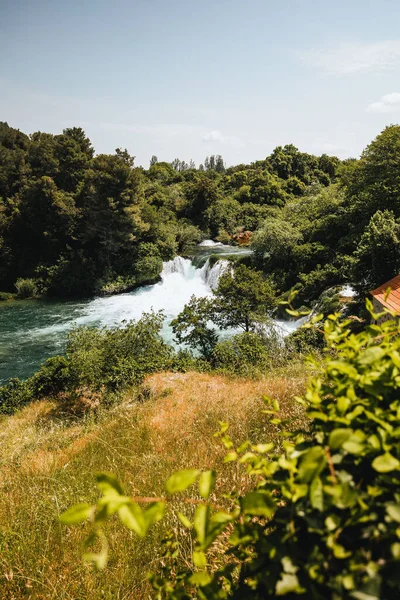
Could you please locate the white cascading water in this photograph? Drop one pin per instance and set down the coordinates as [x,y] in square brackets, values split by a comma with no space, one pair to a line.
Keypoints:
[180,280]
[212,274]
[43,328]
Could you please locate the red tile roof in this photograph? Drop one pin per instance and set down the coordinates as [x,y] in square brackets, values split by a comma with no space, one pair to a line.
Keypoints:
[392,302]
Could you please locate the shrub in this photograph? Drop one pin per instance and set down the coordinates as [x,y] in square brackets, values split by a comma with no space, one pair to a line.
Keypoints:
[113,359]
[184,361]
[250,353]
[322,520]
[14,395]
[242,354]
[4,296]
[52,378]
[26,288]
[305,340]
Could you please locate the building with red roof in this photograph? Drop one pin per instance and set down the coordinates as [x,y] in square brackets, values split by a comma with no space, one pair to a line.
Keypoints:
[391,301]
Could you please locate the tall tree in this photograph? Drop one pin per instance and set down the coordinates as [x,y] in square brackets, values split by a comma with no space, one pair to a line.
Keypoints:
[192,326]
[377,258]
[243,299]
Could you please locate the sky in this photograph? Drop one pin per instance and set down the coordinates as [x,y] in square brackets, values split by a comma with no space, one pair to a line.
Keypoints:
[186,79]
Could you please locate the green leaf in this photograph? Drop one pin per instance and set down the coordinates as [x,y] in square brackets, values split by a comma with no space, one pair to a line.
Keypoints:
[395,548]
[263,448]
[258,503]
[317,494]
[201,578]
[338,437]
[76,514]
[199,559]
[184,520]
[339,551]
[200,522]
[385,463]
[393,511]
[353,446]
[131,515]
[292,313]
[230,457]
[332,522]
[287,584]
[180,481]
[206,483]
[311,464]
[371,355]
[108,483]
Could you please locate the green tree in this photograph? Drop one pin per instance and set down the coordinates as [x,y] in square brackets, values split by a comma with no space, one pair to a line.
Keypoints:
[274,242]
[74,152]
[192,326]
[373,183]
[377,258]
[243,299]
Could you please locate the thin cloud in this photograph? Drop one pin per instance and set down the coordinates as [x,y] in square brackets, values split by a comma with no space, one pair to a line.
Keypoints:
[217,137]
[355,57]
[164,129]
[387,104]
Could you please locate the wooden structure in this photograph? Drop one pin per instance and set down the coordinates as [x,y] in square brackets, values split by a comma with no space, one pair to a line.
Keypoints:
[391,301]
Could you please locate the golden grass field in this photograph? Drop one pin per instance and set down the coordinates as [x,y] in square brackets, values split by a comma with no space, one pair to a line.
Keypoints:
[48,458]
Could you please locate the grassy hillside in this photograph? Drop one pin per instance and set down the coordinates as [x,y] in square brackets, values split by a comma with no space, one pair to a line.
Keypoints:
[49,456]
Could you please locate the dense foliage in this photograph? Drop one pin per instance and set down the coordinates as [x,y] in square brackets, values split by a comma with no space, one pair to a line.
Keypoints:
[72,222]
[78,223]
[322,520]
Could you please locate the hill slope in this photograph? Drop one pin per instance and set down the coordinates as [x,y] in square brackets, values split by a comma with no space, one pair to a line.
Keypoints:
[49,457]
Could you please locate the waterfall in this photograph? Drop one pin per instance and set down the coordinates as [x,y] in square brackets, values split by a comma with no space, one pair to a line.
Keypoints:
[184,268]
[210,243]
[180,265]
[212,274]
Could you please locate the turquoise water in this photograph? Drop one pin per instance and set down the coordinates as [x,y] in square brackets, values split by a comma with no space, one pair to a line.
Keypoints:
[33,330]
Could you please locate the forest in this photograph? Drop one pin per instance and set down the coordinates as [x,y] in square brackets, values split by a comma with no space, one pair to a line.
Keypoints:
[73,223]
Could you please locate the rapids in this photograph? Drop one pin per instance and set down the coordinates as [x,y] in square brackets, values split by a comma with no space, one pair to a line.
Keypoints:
[33,330]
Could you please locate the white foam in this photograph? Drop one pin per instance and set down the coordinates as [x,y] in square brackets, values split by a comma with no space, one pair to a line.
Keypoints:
[210,243]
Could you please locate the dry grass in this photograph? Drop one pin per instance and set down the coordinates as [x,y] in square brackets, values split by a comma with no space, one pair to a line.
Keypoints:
[47,464]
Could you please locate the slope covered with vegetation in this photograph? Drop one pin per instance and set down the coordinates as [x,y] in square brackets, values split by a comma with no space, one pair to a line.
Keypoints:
[51,450]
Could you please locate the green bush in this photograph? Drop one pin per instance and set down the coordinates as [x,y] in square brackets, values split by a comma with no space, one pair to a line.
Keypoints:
[52,378]
[14,396]
[4,296]
[323,518]
[26,288]
[184,361]
[114,359]
[305,340]
[249,353]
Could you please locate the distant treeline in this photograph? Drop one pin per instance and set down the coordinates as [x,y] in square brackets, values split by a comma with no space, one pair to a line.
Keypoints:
[72,222]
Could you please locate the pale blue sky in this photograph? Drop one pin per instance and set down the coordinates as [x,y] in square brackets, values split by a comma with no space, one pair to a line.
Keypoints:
[186,79]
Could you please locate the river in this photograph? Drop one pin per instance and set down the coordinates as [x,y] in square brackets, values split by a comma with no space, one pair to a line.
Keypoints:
[33,330]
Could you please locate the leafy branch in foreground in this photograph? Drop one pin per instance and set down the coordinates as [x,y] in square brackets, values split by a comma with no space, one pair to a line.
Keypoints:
[323,517]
